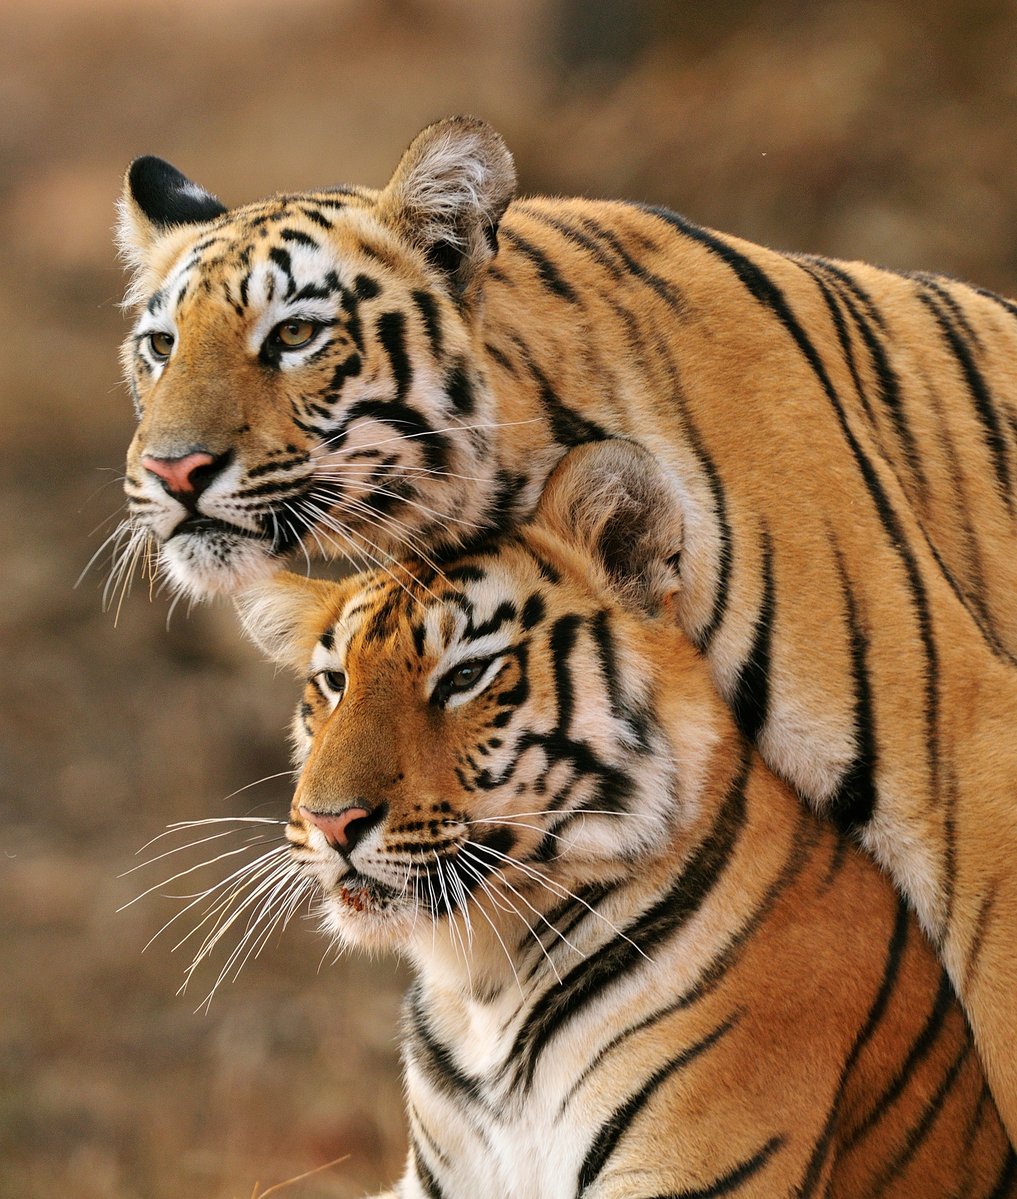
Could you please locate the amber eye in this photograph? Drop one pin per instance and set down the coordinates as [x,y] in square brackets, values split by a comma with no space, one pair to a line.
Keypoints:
[333,681]
[464,676]
[291,335]
[161,345]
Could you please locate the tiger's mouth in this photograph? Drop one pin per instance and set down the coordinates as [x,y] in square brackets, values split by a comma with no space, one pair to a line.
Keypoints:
[282,538]
[204,526]
[360,893]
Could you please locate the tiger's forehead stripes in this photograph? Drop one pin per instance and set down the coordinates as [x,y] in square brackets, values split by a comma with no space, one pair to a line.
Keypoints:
[464,612]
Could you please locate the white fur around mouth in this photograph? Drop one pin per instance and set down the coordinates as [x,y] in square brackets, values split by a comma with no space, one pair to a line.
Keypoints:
[213,563]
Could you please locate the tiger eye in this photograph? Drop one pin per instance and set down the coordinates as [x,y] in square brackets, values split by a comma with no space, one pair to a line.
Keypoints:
[466,675]
[334,680]
[294,334]
[161,345]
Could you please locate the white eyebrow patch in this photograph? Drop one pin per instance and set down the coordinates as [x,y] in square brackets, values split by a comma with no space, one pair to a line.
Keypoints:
[487,597]
[266,290]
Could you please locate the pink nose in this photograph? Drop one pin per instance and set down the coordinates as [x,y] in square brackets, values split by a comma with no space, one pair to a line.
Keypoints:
[342,829]
[177,474]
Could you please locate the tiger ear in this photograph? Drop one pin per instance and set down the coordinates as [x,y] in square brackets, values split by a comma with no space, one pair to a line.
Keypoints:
[615,503]
[285,615]
[448,195]
[156,198]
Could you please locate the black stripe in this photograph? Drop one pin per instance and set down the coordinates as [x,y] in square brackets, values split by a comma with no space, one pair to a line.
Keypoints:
[853,804]
[1006,1184]
[434,1059]
[298,238]
[917,1135]
[894,957]
[562,642]
[982,397]
[459,388]
[365,287]
[725,556]
[428,1182]
[750,700]
[568,427]
[432,445]
[663,287]
[533,612]
[918,1052]
[427,306]
[282,260]
[838,271]
[617,1124]
[806,836]
[833,305]
[760,286]
[623,953]
[637,720]
[392,335]
[546,269]
[575,236]
[1008,306]
[890,394]
[314,215]
[727,1183]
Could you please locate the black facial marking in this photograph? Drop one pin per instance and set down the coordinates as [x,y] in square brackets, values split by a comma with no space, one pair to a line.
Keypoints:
[392,335]
[296,237]
[459,388]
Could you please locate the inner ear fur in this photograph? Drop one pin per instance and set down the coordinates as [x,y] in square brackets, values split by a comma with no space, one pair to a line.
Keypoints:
[285,615]
[448,195]
[614,503]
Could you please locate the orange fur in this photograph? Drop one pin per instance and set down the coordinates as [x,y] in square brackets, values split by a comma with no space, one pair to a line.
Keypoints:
[843,439]
[781,1027]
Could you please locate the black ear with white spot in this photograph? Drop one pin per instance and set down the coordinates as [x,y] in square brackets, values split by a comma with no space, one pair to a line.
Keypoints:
[617,505]
[157,198]
[449,193]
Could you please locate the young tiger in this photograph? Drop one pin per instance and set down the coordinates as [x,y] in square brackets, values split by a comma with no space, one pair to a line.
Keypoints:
[379,372]
[642,968]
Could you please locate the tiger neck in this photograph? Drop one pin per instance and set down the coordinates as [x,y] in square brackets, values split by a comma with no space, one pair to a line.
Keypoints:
[488,971]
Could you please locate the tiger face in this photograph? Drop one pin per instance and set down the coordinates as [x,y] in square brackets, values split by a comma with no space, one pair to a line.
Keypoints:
[471,734]
[302,370]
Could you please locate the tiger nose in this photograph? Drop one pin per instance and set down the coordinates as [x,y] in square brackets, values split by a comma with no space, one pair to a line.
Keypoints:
[189,474]
[343,830]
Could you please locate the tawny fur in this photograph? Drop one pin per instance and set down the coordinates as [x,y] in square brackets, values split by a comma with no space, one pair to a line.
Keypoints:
[844,440]
[738,1003]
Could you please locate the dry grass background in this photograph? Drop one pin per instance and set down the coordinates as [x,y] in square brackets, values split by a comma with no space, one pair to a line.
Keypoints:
[880,131]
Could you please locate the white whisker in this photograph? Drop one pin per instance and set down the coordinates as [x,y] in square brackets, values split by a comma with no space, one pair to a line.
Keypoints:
[559,890]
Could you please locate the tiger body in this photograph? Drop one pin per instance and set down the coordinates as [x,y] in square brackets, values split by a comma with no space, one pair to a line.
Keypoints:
[844,440]
[643,967]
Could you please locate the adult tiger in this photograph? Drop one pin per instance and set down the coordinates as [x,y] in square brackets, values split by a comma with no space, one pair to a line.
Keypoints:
[361,370]
[643,969]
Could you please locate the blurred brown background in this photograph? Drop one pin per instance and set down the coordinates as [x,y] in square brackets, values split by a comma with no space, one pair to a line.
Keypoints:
[878,131]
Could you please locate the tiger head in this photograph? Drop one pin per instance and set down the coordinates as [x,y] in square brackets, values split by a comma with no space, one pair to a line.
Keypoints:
[524,722]
[301,367]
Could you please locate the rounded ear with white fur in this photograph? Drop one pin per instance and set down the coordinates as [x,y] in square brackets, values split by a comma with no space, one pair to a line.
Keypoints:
[157,198]
[285,615]
[448,194]
[615,504]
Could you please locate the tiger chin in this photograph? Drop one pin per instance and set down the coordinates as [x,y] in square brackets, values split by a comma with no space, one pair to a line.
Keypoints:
[643,969]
